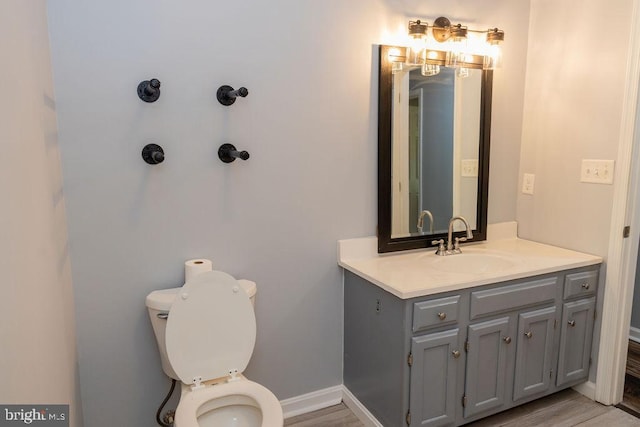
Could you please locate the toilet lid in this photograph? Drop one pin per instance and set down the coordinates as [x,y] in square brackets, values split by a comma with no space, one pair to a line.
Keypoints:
[211,328]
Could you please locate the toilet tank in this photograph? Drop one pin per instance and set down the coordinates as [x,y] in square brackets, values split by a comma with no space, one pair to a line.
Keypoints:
[159,304]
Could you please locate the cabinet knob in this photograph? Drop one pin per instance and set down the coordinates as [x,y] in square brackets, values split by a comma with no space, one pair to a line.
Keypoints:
[442,316]
[585,286]
[572,323]
[456,354]
[528,334]
[507,340]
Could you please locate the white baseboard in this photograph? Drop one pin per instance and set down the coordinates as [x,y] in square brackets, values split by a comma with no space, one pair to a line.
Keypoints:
[324,398]
[587,389]
[313,401]
[634,334]
[358,409]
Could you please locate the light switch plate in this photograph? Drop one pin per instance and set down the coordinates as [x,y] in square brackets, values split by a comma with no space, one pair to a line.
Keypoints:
[469,167]
[597,171]
[528,180]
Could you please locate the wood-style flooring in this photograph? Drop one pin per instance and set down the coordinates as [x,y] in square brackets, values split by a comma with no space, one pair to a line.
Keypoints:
[565,409]
[631,397]
[333,416]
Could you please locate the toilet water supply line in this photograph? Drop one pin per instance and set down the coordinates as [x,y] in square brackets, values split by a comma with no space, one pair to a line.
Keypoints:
[169,414]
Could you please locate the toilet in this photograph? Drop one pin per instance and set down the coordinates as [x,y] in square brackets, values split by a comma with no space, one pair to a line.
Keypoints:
[206,333]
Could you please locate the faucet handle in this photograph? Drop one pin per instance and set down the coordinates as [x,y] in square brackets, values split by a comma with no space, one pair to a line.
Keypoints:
[441,249]
[456,244]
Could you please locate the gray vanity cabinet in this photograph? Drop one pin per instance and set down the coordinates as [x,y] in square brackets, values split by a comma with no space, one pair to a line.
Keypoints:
[575,345]
[455,357]
[576,332]
[534,355]
[434,369]
[488,349]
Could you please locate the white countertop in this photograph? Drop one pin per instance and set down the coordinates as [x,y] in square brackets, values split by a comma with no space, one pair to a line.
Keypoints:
[418,273]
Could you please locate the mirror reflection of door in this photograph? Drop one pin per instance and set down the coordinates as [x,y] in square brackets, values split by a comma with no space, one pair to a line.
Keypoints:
[400,155]
[437,142]
[415,159]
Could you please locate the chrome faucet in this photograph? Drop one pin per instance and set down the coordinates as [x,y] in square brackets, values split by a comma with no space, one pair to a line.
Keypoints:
[421,221]
[453,247]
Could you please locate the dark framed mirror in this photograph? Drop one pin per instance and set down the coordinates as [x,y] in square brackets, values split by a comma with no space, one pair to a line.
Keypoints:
[433,151]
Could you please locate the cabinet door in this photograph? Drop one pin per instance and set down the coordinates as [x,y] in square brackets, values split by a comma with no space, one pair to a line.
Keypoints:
[433,378]
[575,341]
[534,352]
[488,350]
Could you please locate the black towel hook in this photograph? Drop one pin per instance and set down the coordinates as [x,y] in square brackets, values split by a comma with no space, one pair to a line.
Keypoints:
[228,153]
[153,154]
[149,90]
[227,95]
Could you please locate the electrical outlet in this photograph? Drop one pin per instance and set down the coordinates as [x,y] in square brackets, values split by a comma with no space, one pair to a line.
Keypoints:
[597,171]
[528,180]
[469,167]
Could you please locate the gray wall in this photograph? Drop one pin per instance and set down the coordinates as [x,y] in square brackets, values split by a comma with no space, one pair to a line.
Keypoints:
[572,111]
[310,124]
[38,363]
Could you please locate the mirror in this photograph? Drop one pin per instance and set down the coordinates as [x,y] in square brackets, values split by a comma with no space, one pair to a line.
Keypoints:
[433,152]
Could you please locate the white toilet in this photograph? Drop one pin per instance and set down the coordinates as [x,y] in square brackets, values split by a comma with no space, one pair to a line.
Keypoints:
[206,332]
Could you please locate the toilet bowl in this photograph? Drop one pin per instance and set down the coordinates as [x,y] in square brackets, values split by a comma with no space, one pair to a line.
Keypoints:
[206,339]
[231,404]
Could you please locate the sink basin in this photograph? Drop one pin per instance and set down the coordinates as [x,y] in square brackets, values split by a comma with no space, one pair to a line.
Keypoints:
[472,263]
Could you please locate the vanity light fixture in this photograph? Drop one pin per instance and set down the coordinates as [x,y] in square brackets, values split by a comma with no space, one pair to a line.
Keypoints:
[457,49]
[453,47]
[418,36]
[493,56]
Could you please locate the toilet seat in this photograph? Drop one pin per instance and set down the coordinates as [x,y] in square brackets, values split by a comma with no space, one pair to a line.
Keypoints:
[195,404]
[211,329]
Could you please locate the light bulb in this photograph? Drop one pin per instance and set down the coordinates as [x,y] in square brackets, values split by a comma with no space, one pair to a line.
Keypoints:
[493,55]
[415,54]
[457,52]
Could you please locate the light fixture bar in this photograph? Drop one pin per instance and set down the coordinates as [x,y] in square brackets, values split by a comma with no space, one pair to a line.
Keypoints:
[455,52]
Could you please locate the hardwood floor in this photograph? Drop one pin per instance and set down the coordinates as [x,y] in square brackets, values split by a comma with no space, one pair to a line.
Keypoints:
[631,397]
[333,416]
[633,359]
[565,409]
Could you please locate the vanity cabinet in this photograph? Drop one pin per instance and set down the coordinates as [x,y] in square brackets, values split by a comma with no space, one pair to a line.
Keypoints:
[488,350]
[534,352]
[455,357]
[436,358]
[578,318]
[513,347]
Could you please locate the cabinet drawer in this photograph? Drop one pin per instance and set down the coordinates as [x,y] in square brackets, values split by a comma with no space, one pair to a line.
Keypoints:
[512,297]
[580,284]
[436,312]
